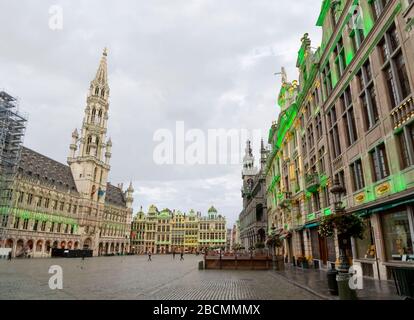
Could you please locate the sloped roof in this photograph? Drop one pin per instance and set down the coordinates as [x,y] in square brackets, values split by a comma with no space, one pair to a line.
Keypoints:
[115,196]
[34,165]
[51,173]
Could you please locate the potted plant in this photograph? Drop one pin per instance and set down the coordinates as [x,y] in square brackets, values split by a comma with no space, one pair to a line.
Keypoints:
[346,225]
[273,241]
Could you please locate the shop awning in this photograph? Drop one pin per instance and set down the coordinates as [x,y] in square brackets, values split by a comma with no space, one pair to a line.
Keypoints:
[311,225]
[390,205]
[363,213]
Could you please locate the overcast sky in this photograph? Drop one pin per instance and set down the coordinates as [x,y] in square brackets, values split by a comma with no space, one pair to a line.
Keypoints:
[209,63]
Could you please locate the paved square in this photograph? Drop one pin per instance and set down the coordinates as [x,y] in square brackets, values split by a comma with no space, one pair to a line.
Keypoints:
[133,277]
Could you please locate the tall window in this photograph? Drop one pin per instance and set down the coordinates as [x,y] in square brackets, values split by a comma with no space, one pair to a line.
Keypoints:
[379,163]
[5,219]
[21,195]
[394,67]
[315,95]
[357,175]
[296,174]
[318,123]
[16,223]
[348,117]
[321,154]
[326,195]
[368,96]
[327,79]
[304,145]
[339,54]
[29,198]
[311,138]
[334,133]
[405,140]
[377,7]
[316,201]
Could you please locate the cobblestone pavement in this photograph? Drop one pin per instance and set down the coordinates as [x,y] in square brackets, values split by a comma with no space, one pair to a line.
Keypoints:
[133,277]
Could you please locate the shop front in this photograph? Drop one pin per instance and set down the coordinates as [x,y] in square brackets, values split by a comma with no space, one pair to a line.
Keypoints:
[388,241]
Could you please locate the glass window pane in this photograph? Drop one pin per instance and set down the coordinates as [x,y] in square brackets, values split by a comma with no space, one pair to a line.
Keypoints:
[366,247]
[397,236]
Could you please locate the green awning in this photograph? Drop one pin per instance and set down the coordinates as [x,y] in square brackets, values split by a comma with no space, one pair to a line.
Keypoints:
[363,213]
[311,225]
[391,205]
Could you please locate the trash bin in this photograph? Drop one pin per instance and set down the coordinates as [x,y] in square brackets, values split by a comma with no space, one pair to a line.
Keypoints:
[332,283]
[201,265]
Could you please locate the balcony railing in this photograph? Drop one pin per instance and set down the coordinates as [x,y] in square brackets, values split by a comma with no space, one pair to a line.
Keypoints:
[312,182]
[403,113]
[284,199]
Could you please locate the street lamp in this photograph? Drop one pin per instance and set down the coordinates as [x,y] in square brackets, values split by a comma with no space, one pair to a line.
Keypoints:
[273,235]
[343,276]
[338,190]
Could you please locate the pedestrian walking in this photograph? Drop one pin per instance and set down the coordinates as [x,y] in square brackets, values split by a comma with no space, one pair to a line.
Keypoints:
[174,255]
[149,256]
[9,257]
[182,256]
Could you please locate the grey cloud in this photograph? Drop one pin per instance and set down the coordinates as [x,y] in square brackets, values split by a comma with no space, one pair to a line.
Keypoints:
[208,63]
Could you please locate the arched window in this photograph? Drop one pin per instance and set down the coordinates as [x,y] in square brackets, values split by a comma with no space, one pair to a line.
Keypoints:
[93,115]
[103,93]
[95,174]
[99,116]
[97,91]
[97,146]
[88,145]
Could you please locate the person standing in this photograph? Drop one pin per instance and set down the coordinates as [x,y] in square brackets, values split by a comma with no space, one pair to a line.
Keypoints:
[149,256]
[9,257]
[182,256]
[174,254]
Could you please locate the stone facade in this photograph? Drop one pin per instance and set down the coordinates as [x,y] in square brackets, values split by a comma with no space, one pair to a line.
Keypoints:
[349,118]
[253,218]
[71,206]
[173,231]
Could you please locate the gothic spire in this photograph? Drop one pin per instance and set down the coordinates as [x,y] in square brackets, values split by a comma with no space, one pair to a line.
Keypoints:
[99,85]
[101,75]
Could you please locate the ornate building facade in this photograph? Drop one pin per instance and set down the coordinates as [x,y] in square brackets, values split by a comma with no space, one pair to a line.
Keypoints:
[169,231]
[348,119]
[253,217]
[71,206]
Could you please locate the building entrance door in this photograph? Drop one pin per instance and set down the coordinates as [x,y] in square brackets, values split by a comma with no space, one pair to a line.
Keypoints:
[323,249]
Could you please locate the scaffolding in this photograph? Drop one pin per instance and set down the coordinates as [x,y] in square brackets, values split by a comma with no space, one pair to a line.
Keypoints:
[12,130]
